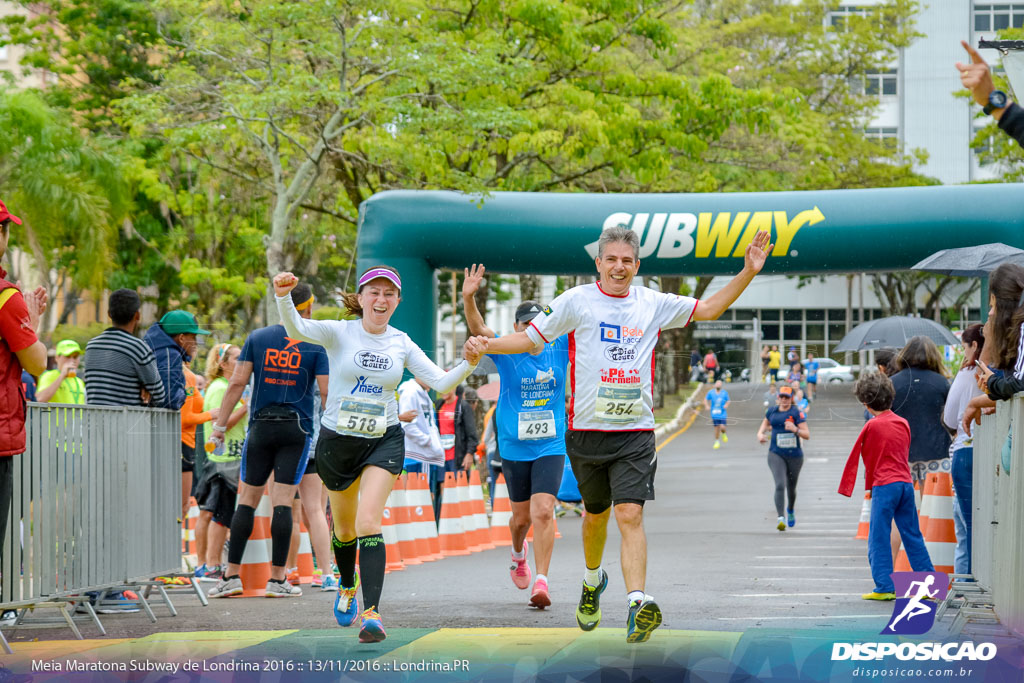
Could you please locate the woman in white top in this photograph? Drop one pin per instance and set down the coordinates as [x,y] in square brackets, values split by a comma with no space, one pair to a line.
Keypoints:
[361,448]
[963,390]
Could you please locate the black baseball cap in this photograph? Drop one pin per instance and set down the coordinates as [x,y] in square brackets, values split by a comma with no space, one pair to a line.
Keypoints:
[527,311]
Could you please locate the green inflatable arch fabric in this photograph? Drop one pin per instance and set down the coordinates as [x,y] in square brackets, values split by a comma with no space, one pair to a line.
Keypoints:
[832,231]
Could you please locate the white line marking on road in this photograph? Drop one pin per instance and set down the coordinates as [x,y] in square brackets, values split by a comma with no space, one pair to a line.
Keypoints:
[782,595]
[805,557]
[824,617]
[819,578]
[773,566]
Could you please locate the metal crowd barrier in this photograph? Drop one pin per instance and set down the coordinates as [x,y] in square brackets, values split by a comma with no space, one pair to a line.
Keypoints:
[96,501]
[997,554]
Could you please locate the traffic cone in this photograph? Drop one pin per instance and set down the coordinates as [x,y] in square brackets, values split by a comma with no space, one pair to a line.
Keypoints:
[392,553]
[940,536]
[403,523]
[451,531]
[305,556]
[865,518]
[468,520]
[421,515]
[433,539]
[481,536]
[255,569]
[188,528]
[501,515]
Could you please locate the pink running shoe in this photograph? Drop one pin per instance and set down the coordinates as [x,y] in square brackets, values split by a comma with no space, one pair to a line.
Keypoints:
[520,569]
[540,598]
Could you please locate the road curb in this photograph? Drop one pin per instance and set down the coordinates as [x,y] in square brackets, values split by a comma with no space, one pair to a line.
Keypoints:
[690,405]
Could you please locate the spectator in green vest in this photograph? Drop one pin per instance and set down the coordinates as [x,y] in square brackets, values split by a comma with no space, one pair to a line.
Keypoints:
[63,385]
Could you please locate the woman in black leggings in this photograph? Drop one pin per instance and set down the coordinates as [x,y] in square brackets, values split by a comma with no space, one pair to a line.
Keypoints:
[788,426]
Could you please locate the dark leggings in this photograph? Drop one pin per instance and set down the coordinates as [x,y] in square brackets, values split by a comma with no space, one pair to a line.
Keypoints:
[785,471]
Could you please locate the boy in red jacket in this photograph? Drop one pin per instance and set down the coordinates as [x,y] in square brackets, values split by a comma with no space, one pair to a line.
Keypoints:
[884,443]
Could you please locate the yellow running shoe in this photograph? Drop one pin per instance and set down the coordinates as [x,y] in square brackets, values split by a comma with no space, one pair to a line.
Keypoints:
[725,438]
[878,596]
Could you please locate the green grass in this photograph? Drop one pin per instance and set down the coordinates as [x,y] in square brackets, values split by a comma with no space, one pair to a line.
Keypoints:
[672,402]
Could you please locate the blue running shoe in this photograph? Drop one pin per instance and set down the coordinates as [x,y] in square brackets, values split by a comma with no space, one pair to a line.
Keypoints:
[372,630]
[644,617]
[588,612]
[200,570]
[790,518]
[346,605]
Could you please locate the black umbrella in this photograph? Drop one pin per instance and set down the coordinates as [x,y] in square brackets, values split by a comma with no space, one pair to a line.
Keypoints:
[976,261]
[894,332]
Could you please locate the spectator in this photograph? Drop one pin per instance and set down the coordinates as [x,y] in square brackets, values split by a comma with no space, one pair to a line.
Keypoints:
[1003,334]
[192,415]
[766,357]
[771,396]
[20,350]
[921,387]
[694,365]
[711,365]
[885,359]
[28,383]
[963,390]
[63,385]
[774,363]
[792,356]
[457,424]
[977,77]
[174,341]
[120,369]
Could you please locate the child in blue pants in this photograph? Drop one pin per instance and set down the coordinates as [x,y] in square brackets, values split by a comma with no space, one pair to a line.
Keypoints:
[884,444]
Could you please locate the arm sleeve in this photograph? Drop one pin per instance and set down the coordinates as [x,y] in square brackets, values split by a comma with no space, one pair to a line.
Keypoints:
[849,479]
[413,430]
[676,311]
[955,400]
[173,378]
[150,377]
[558,318]
[15,328]
[192,412]
[320,332]
[1003,388]
[425,369]
[1012,122]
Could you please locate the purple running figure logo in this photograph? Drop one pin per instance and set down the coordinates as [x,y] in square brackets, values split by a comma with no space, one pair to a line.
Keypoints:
[912,615]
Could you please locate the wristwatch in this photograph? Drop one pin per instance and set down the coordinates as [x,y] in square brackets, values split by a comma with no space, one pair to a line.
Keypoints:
[996,100]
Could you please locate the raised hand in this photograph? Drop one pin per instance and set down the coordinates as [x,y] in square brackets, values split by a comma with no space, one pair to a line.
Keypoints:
[474,276]
[757,251]
[976,76]
[284,283]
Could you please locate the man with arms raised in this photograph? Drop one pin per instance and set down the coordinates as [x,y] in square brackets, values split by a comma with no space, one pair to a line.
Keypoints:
[613,329]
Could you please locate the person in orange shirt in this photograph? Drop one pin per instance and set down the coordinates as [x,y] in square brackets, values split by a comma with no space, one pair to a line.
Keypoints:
[191,415]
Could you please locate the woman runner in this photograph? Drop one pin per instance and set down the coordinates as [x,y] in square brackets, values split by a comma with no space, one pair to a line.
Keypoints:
[785,457]
[361,448]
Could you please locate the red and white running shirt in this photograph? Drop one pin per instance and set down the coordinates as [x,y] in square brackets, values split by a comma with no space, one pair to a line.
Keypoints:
[611,347]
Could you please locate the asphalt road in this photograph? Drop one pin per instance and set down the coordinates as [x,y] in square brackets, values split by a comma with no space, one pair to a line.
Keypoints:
[716,561]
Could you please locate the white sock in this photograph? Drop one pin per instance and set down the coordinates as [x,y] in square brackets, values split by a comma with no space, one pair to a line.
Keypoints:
[637,596]
[521,555]
[541,577]
[592,577]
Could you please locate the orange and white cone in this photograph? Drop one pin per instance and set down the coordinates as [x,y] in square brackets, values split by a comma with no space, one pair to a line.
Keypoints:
[481,535]
[188,528]
[501,515]
[304,560]
[940,535]
[255,569]
[403,523]
[865,518]
[427,513]
[390,534]
[451,530]
[417,499]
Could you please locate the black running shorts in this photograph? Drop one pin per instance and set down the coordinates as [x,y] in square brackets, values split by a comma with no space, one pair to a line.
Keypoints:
[188,457]
[275,443]
[612,467]
[340,458]
[527,477]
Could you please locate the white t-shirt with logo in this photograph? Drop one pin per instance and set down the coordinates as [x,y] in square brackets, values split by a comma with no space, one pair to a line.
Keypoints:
[611,347]
[365,370]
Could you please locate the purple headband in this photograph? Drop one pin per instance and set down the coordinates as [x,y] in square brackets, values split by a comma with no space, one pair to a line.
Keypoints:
[375,273]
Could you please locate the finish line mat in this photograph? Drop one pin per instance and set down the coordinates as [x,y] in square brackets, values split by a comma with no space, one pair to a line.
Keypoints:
[488,654]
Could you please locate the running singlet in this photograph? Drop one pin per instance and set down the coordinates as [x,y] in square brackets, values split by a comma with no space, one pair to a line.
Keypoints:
[365,370]
[718,399]
[284,372]
[784,442]
[531,409]
[611,348]
[812,370]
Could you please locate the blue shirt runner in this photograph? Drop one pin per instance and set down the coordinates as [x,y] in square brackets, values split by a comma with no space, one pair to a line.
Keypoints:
[784,442]
[718,399]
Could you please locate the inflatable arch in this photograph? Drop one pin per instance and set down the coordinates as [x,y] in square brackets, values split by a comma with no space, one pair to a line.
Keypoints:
[831,231]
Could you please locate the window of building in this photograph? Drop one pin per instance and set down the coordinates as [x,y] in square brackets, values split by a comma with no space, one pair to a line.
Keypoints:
[816,314]
[982,145]
[769,314]
[793,314]
[836,314]
[793,332]
[744,314]
[887,136]
[998,17]
[770,332]
[836,331]
[837,18]
[816,331]
[880,82]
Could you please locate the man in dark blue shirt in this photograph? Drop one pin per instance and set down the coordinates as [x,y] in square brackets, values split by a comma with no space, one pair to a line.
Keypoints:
[285,374]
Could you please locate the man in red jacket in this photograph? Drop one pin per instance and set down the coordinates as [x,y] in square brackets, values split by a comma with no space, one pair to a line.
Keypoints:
[19,349]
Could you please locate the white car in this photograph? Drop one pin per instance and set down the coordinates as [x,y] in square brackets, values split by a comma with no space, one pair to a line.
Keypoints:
[830,371]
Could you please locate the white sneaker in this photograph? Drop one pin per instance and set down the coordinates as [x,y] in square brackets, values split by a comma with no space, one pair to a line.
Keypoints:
[282,590]
[225,588]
